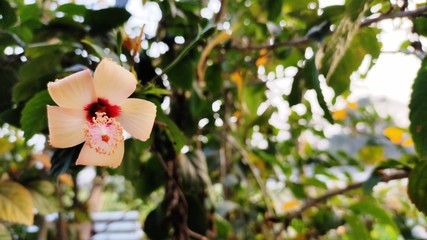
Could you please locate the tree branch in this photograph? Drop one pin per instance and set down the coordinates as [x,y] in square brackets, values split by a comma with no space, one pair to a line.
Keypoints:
[401,14]
[315,201]
[306,40]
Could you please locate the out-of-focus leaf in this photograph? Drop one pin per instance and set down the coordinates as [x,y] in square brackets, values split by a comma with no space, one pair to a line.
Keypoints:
[195,172]
[274,9]
[43,195]
[377,212]
[312,82]
[99,51]
[325,219]
[357,229]
[253,96]
[64,158]
[34,114]
[4,233]
[295,96]
[146,176]
[183,74]
[8,14]
[214,79]
[364,42]
[197,214]
[417,186]
[339,44]
[155,225]
[8,78]
[106,19]
[152,89]
[201,65]
[371,154]
[418,113]
[34,75]
[223,227]
[15,203]
[208,30]
[172,130]
[38,49]
[72,9]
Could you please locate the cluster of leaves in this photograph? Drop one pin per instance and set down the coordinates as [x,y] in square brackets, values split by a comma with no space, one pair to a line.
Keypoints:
[223,168]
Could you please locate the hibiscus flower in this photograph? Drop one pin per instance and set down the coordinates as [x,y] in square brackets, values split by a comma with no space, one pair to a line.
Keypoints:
[95,111]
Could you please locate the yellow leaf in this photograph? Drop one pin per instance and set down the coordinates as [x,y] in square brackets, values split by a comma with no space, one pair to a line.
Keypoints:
[16,204]
[237,78]
[5,145]
[340,114]
[395,134]
[352,105]
[371,154]
[66,179]
[263,59]
[290,204]
[408,142]
[201,65]
[4,233]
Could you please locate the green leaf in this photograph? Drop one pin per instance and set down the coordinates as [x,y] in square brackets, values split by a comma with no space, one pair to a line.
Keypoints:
[152,89]
[183,73]
[208,30]
[420,24]
[38,49]
[358,229]
[295,96]
[363,43]
[172,131]
[214,80]
[145,175]
[355,8]
[155,225]
[194,171]
[99,51]
[197,214]
[64,158]
[43,195]
[312,82]
[339,43]
[4,233]
[106,19]
[223,227]
[377,212]
[15,203]
[8,78]
[325,219]
[417,186]
[418,113]
[274,9]
[72,9]
[34,75]
[34,114]
[8,14]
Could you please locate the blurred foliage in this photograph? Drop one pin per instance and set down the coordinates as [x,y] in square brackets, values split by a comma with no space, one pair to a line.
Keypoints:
[255,135]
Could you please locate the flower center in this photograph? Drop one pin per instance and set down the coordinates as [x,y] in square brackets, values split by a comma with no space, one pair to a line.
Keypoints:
[101,106]
[103,133]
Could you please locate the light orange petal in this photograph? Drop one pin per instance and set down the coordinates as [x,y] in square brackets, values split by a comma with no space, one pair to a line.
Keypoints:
[113,82]
[75,91]
[66,126]
[137,117]
[88,156]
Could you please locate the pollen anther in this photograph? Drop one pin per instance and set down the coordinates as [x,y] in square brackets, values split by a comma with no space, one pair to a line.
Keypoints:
[104,133]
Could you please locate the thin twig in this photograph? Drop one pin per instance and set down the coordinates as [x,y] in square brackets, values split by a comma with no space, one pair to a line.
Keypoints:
[315,201]
[401,14]
[306,40]
[246,160]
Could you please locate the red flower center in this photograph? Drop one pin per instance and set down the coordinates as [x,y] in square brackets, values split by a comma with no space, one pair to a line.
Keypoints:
[101,106]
